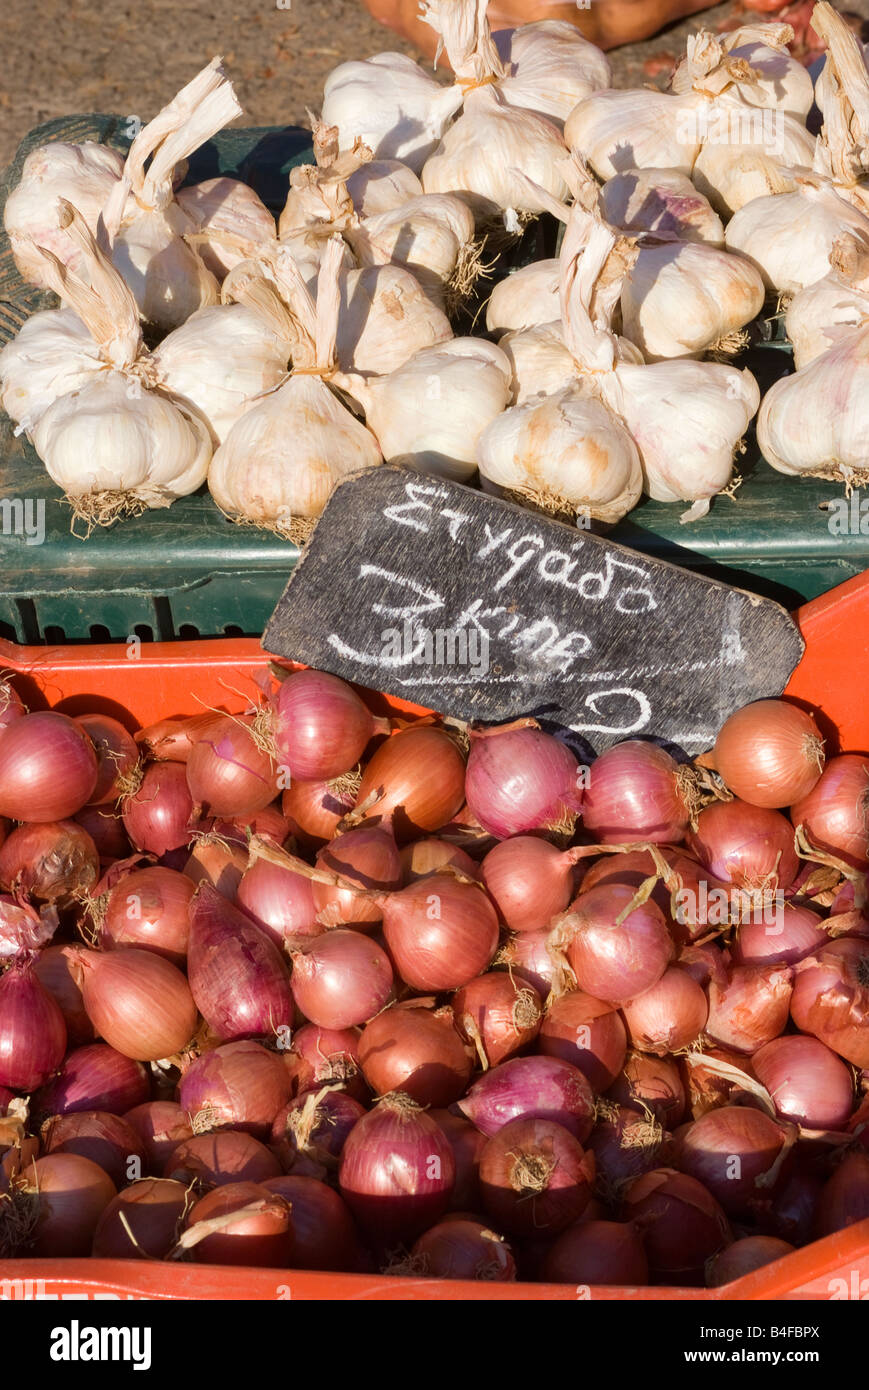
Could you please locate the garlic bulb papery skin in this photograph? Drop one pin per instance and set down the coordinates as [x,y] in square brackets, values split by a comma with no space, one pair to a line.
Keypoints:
[540,361]
[681,299]
[52,354]
[220,210]
[524,299]
[820,316]
[382,185]
[385,317]
[815,423]
[392,105]
[845,73]
[747,153]
[283,457]
[83,175]
[430,413]
[616,131]
[432,236]
[550,67]
[775,78]
[663,201]
[790,237]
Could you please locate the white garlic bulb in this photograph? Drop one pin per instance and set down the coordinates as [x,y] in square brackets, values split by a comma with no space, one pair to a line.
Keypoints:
[824,313]
[663,201]
[385,317]
[549,67]
[228,218]
[432,236]
[815,423]
[525,298]
[617,131]
[381,185]
[52,353]
[81,174]
[750,155]
[789,237]
[681,299]
[540,361]
[760,70]
[392,105]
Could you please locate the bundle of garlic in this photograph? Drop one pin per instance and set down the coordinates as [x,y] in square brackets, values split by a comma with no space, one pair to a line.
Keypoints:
[116,441]
[824,313]
[281,460]
[143,220]
[81,174]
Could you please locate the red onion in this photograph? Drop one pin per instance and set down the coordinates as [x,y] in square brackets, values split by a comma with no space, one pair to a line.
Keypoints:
[72,1194]
[795,934]
[11,704]
[543,1088]
[136,1000]
[632,867]
[792,1213]
[314,809]
[32,1030]
[153,1213]
[268,824]
[161,1126]
[669,1016]
[625,1144]
[751,1007]
[227,1155]
[108,1140]
[94,1077]
[321,726]
[218,862]
[237,974]
[279,901]
[467,1144]
[497,1015]
[261,1234]
[237,1086]
[529,881]
[612,960]
[171,740]
[770,753]
[397,1171]
[367,857]
[520,779]
[117,755]
[746,1255]
[735,1152]
[319,1055]
[681,1223]
[835,814]
[48,768]
[747,846]
[417,1050]
[637,791]
[341,979]
[535,1177]
[845,1196]
[54,972]
[588,1033]
[651,1083]
[421,774]
[158,817]
[702,963]
[324,1236]
[422,858]
[527,955]
[457,1248]
[106,829]
[309,1133]
[831,998]
[149,908]
[808,1083]
[440,933]
[598,1252]
[227,773]
[50,861]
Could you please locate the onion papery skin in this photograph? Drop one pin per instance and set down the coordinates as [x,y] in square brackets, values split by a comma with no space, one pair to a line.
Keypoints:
[106,829]
[535,1177]
[770,753]
[625,1144]
[321,725]
[220,863]
[835,814]
[397,1171]
[844,1199]
[154,1210]
[747,846]
[831,998]
[314,810]
[456,1248]
[32,1030]
[171,740]
[528,956]
[237,974]
[588,1033]
[341,979]
[226,1156]
[669,1016]
[55,975]
[497,1016]
[116,753]
[521,779]
[321,1055]
[268,824]
[652,1083]
[309,1133]
[227,773]
[368,858]
[636,793]
[11,704]
[159,816]
[529,881]
[48,768]
[709,1090]
[237,1086]
[150,909]
[108,1140]
[161,1126]
[750,1007]
[263,1238]
[279,901]
[732,1151]
[682,1224]
[50,862]
[422,858]
[743,1257]
[440,933]
[416,1050]
[94,1077]
[809,1083]
[598,1252]
[73,1193]
[422,774]
[796,933]
[543,1088]
[137,1001]
[633,867]
[467,1144]
[324,1234]
[611,961]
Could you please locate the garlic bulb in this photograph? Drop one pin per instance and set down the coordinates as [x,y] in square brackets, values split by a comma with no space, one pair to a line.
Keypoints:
[389,103]
[540,361]
[385,317]
[381,185]
[617,131]
[281,460]
[789,237]
[770,76]
[146,230]
[430,413]
[221,210]
[824,313]
[815,422]
[52,353]
[681,299]
[527,297]
[549,67]
[748,154]
[432,236]
[663,201]
[83,175]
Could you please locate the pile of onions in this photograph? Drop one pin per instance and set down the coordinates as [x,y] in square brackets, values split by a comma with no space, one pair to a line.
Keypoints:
[748,846]
[418,778]
[397,1171]
[149,908]
[48,768]
[834,814]
[520,778]
[770,753]
[615,959]
[411,1048]
[637,792]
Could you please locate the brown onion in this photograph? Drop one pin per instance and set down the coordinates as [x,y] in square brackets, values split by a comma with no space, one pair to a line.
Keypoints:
[116,752]
[751,1007]
[314,809]
[669,1016]
[110,1141]
[142,1222]
[226,1156]
[440,932]
[422,776]
[261,1233]
[682,1224]
[422,858]
[770,753]
[497,1016]
[171,740]
[149,909]
[412,1048]
[586,1032]
[831,998]
[535,1178]
[597,1252]
[218,862]
[137,1001]
[835,814]
[71,1195]
[237,1086]
[746,1255]
[457,1248]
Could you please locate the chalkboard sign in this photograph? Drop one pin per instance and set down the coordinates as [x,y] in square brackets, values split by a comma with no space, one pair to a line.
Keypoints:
[481,609]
